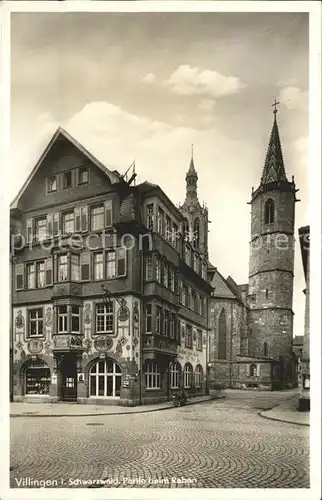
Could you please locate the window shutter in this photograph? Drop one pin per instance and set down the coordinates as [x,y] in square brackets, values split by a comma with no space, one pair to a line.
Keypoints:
[121,262]
[84,218]
[29,230]
[19,273]
[56,224]
[77,219]
[49,225]
[85,266]
[49,271]
[108,213]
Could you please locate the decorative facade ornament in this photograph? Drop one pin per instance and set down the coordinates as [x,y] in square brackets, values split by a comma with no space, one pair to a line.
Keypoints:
[87,314]
[47,347]
[48,317]
[135,312]
[123,340]
[88,345]
[19,320]
[103,343]
[19,345]
[62,341]
[135,341]
[35,346]
[119,348]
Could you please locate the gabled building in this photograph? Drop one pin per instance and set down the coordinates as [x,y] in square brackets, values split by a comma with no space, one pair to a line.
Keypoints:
[109,302]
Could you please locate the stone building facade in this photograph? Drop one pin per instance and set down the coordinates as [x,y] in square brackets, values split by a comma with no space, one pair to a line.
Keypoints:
[304,401]
[109,302]
[251,326]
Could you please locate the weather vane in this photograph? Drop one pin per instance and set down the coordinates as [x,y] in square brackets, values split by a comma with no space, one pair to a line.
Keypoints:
[275,103]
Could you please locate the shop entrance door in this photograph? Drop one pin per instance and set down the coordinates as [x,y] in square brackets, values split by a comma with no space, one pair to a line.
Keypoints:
[69,378]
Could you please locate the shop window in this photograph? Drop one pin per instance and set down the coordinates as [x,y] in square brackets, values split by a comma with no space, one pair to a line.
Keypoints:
[152,375]
[37,379]
[105,379]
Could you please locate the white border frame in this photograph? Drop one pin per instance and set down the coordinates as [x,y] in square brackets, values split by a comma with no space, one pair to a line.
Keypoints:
[314,9]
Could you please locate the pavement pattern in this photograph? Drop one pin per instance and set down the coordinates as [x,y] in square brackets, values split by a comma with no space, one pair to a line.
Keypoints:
[216,444]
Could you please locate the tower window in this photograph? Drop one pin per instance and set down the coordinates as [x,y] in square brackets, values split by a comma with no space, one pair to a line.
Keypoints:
[265,349]
[269,211]
[196,233]
[266,293]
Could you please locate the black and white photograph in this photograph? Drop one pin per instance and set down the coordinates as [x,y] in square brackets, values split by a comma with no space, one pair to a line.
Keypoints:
[160,184]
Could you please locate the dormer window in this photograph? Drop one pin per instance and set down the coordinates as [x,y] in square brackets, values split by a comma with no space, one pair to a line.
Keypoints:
[83,175]
[67,179]
[52,184]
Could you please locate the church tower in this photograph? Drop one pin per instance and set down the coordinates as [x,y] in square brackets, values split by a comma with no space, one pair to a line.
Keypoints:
[196,228]
[271,264]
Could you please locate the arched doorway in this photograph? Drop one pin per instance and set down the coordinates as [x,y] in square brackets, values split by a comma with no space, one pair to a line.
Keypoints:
[36,376]
[105,379]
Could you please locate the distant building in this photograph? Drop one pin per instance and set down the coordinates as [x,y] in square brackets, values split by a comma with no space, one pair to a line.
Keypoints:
[304,401]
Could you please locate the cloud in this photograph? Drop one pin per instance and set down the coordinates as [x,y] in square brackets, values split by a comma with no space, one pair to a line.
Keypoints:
[287,82]
[294,98]
[149,78]
[186,80]
[206,104]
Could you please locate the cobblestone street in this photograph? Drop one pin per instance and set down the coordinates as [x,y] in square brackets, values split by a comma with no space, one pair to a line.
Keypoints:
[220,444]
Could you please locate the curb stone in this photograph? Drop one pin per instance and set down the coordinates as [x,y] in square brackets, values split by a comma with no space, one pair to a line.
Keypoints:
[276,419]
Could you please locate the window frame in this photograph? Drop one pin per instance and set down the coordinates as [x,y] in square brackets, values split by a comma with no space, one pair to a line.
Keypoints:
[64,174]
[106,315]
[187,376]
[79,173]
[37,320]
[152,374]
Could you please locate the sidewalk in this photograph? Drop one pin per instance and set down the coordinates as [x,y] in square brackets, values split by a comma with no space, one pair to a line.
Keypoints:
[84,410]
[287,412]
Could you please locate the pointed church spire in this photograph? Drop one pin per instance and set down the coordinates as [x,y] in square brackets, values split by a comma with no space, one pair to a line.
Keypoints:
[192,171]
[274,165]
[191,182]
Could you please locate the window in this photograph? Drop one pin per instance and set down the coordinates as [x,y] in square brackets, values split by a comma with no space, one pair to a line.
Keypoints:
[265,349]
[165,275]
[85,266]
[168,233]
[160,221]
[31,276]
[158,319]
[37,377]
[83,175]
[187,254]
[35,322]
[150,216]
[105,318]
[196,263]
[266,293]
[204,270]
[198,376]
[110,264]
[148,318]
[157,269]
[75,269]
[29,230]
[62,268]
[222,354]
[187,376]
[196,233]
[97,218]
[52,184]
[175,370]
[40,272]
[67,179]
[252,370]
[56,224]
[148,268]
[152,375]
[193,300]
[84,218]
[166,322]
[108,208]
[173,325]
[41,229]
[175,236]
[121,261]
[75,319]
[202,305]
[105,379]
[184,294]
[199,340]
[171,279]
[49,271]
[188,336]
[98,266]
[62,319]
[269,211]
[68,223]
[19,273]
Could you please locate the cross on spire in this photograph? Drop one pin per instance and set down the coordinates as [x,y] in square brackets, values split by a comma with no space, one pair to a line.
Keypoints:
[274,105]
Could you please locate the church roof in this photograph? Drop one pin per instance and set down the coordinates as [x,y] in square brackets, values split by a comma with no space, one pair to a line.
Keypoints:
[274,164]
[192,170]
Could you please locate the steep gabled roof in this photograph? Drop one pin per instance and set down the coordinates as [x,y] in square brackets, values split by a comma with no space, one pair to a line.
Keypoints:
[114,176]
[274,164]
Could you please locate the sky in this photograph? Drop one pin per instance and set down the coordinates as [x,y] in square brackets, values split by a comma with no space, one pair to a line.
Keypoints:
[146,86]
